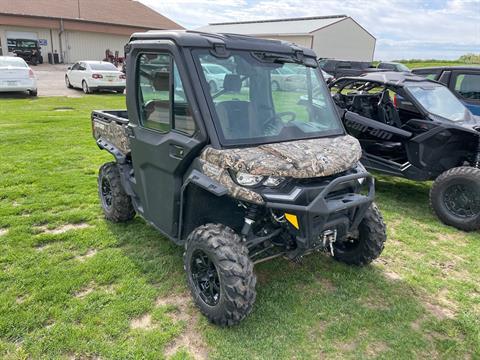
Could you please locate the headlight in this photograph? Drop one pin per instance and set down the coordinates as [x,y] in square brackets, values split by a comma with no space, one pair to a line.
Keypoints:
[245,179]
[273,181]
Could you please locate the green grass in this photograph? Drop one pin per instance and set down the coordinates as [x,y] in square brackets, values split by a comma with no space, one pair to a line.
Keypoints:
[432,63]
[117,291]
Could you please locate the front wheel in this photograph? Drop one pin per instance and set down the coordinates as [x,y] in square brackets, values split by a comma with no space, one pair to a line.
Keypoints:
[455,198]
[275,86]
[366,244]
[220,274]
[117,205]
[213,87]
[67,82]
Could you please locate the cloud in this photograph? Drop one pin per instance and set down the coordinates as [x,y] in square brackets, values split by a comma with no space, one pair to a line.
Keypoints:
[443,29]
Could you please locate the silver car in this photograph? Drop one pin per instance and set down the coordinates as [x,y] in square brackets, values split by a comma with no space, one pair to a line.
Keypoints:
[16,76]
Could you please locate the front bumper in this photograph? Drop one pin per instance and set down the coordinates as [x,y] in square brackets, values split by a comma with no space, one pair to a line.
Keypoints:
[339,206]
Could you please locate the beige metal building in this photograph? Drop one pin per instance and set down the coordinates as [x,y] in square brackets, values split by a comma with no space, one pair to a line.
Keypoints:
[77,29]
[336,37]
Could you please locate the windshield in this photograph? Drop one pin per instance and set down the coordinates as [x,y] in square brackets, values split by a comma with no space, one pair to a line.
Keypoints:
[262,98]
[12,62]
[402,67]
[103,66]
[440,101]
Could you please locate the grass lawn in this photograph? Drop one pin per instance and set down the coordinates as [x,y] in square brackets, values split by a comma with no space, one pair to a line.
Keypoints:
[432,63]
[73,286]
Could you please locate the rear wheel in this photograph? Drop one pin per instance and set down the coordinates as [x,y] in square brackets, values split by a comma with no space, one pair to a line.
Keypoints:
[120,91]
[275,86]
[220,274]
[117,205]
[455,198]
[85,87]
[366,244]
[33,92]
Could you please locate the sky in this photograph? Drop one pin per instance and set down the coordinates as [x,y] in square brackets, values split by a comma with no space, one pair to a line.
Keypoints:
[405,29]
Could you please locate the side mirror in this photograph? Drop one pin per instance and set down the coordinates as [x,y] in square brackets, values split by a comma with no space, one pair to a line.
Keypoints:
[69,68]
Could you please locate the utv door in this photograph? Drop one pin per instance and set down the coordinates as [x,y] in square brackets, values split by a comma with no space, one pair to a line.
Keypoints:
[163,142]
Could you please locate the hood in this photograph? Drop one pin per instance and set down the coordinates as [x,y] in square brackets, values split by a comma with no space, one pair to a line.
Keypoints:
[297,159]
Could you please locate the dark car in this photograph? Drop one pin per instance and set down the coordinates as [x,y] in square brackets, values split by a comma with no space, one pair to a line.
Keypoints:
[413,127]
[28,49]
[463,81]
[237,176]
[392,66]
[340,68]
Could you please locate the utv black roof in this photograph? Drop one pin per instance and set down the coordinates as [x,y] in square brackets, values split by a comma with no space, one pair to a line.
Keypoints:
[188,38]
[392,78]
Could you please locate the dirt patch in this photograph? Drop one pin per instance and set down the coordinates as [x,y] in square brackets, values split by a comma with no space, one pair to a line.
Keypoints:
[85,291]
[375,303]
[144,322]
[326,284]
[377,348]
[3,231]
[88,254]
[42,247]
[20,299]
[416,325]
[440,312]
[83,357]
[190,339]
[348,346]
[63,229]
[392,275]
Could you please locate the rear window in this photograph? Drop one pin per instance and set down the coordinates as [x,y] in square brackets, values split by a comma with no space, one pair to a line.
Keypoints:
[103,66]
[6,62]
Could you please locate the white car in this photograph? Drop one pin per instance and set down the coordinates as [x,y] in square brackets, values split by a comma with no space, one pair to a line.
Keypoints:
[16,75]
[95,75]
[215,74]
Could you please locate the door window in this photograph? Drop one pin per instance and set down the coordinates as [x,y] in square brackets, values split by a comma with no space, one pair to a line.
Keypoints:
[162,99]
[76,66]
[468,86]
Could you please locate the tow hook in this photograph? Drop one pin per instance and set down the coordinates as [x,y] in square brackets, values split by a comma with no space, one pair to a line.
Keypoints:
[328,238]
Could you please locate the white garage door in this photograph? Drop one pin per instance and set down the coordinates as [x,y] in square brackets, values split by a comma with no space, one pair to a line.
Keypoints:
[92,46]
[22,35]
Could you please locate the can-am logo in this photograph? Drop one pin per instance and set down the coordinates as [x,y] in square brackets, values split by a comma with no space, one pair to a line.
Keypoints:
[381,134]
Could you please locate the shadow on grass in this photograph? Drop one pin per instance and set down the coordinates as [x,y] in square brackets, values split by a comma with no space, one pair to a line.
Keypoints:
[301,310]
[15,95]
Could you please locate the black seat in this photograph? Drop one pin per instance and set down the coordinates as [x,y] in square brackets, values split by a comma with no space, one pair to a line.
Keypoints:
[233,115]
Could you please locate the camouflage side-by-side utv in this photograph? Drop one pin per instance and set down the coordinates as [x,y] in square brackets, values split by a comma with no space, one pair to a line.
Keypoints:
[238,173]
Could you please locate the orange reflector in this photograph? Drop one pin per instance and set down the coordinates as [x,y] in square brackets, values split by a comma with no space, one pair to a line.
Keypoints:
[292,219]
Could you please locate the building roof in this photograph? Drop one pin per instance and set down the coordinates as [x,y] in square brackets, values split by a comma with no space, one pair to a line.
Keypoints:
[290,26]
[116,12]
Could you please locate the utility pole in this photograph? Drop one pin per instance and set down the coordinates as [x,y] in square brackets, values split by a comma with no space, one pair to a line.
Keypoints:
[79,14]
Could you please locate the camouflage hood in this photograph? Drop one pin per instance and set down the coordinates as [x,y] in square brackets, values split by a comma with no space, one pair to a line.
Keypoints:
[297,159]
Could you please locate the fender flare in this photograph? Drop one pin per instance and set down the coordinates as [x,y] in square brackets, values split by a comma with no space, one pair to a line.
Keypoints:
[196,178]
[117,154]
